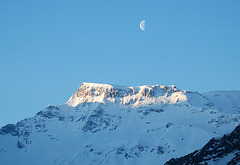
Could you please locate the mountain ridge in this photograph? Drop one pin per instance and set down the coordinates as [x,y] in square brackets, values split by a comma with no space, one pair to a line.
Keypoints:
[99,125]
[94,92]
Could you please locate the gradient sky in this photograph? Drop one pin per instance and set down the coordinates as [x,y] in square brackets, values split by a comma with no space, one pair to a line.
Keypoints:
[48,48]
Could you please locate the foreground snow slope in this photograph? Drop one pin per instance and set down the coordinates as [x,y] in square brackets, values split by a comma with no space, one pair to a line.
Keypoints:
[224,150]
[105,124]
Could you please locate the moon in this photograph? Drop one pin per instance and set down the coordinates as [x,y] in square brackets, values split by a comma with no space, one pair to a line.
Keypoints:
[142,25]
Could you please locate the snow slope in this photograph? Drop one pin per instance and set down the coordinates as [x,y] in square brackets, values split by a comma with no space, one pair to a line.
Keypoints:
[226,101]
[224,150]
[106,124]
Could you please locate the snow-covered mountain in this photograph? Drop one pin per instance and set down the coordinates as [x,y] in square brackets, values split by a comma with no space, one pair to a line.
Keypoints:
[105,124]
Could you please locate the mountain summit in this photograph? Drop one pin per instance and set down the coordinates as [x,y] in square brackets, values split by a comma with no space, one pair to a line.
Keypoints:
[135,95]
[108,124]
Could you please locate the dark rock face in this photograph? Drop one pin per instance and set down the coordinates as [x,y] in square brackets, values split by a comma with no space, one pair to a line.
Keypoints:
[100,120]
[9,129]
[52,111]
[20,145]
[214,150]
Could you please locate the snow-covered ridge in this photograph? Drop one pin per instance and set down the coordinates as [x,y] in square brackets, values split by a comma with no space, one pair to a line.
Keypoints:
[226,101]
[123,95]
[109,124]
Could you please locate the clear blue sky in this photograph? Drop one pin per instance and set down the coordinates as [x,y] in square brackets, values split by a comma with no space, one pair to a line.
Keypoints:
[48,48]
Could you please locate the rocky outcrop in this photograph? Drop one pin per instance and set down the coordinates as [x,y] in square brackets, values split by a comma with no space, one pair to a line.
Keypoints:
[93,92]
[226,147]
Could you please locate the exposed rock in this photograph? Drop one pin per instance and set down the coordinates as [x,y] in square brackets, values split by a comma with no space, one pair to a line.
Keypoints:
[214,151]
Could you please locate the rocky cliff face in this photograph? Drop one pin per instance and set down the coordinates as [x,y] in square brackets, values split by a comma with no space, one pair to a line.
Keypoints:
[106,124]
[134,96]
[224,150]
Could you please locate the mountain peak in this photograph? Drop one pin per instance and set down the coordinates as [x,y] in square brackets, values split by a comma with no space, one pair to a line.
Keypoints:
[146,124]
[96,85]
[134,95]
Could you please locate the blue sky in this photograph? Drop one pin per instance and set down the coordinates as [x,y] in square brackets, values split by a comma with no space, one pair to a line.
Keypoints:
[48,49]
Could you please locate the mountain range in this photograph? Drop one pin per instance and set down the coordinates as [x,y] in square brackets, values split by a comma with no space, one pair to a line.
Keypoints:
[110,124]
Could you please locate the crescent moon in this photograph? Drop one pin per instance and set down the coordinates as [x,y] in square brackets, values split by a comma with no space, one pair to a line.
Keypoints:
[142,25]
